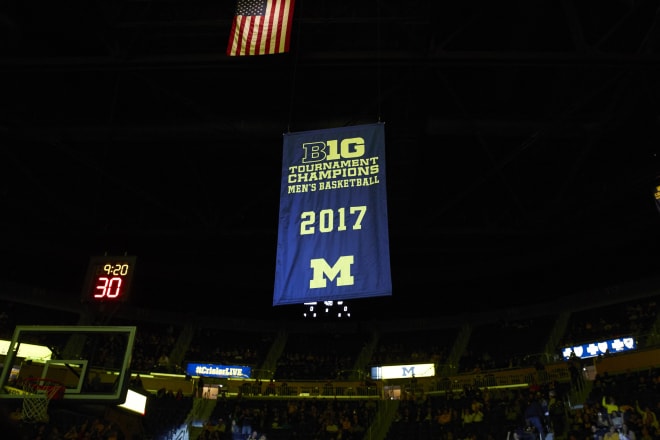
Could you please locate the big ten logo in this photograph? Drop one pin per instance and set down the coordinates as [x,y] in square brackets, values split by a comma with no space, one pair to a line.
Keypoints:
[349,148]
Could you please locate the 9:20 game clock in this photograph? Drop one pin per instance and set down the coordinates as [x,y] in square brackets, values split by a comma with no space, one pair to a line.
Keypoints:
[109,279]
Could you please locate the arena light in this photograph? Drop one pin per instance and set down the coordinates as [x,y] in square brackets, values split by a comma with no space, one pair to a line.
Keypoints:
[135,402]
[328,309]
[27,351]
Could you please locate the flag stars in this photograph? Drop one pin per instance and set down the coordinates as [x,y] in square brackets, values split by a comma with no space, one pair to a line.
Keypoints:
[251,7]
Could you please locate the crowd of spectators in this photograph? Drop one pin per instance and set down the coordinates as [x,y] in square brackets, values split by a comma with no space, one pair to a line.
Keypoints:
[500,413]
[624,406]
[507,343]
[229,347]
[318,356]
[326,419]
[633,317]
[62,425]
[417,346]
[473,414]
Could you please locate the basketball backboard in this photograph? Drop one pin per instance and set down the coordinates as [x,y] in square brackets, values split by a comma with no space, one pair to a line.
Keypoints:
[91,362]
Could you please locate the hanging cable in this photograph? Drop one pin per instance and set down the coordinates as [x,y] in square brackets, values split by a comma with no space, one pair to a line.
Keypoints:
[295,66]
[378,62]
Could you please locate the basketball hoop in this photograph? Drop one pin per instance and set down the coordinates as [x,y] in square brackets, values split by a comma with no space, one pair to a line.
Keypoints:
[37,394]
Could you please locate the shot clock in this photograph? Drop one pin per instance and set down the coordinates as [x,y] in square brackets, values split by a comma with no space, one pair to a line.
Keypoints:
[109,279]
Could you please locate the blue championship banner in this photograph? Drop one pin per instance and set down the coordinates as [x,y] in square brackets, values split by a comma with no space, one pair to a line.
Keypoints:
[333,239]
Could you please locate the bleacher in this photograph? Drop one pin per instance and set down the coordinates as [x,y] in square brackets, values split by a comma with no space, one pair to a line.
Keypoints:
[327,366]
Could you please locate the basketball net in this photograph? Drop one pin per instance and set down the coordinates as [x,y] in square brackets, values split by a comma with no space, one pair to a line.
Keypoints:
[37,396]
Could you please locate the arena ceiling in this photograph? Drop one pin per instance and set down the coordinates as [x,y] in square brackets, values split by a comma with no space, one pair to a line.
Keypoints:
[521,142]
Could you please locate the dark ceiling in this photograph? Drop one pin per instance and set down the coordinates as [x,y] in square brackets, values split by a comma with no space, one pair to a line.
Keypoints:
[521,142]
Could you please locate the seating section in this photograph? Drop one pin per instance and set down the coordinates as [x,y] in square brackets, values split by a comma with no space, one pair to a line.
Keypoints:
[16,313]
[622,318]
[506,343]
[415,346]
[165,412]
[154,342]
[229,346]
[319,355]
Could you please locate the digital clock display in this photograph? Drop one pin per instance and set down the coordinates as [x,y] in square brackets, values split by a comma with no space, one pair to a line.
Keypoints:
[108,279]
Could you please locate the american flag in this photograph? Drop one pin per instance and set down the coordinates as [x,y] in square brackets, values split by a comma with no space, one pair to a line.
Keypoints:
[261,27]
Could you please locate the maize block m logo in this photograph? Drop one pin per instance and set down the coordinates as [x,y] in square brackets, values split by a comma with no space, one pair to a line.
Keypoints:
[407,371]
[341,271]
